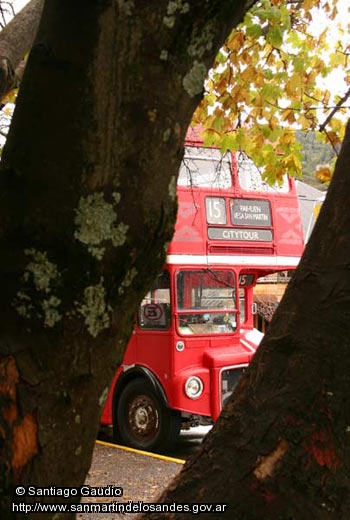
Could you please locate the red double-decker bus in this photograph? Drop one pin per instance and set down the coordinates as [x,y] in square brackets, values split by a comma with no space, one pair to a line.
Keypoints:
[194,334]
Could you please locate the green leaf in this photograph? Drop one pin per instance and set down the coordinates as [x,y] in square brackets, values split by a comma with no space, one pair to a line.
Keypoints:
[272,13]
[254,31]
[275,36]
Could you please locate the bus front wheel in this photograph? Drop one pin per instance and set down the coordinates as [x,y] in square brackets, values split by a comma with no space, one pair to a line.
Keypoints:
[143,421]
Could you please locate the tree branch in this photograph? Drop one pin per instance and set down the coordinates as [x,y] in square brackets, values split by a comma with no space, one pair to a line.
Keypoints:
[335,109]
[15,41]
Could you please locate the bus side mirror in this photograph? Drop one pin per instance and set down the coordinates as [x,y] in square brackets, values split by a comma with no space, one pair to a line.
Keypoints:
[254,308]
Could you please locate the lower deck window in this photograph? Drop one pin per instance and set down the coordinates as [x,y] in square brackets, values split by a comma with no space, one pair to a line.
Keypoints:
[155,308]
[206,301]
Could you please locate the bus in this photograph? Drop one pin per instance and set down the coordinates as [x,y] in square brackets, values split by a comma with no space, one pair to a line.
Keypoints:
[194,334]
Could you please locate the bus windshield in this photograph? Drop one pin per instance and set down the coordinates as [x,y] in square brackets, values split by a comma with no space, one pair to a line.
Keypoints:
[206,301]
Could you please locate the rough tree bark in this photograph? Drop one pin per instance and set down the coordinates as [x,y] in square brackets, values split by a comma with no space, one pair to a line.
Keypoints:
[87,187]
[281,450]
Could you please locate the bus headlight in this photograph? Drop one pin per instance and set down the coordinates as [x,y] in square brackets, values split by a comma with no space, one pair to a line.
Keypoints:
[193,387]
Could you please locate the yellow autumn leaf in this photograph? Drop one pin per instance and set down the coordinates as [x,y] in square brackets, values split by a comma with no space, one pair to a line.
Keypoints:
[293,85]
[259,79]
[316,209]
[292,163]
[249,74]
[324,174]
[235,41]
[10,97]
[334,138]
[289,116]
[287,138]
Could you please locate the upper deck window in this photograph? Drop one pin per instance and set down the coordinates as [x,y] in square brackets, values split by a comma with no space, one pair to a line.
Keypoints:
[205,168]
[250,178]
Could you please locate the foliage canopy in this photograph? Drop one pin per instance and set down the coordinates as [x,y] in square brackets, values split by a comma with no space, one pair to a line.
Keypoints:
[267,82]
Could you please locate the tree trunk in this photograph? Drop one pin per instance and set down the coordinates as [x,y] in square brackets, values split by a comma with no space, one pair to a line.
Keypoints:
[88,203]
[280,450]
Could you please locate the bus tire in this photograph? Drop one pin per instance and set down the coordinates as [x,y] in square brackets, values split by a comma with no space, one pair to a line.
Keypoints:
[143,421]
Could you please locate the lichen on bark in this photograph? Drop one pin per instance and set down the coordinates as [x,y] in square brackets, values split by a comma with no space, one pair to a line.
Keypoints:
[194,79]
[35,298]
[174,7]
[130,275]
[96,221]
[95,309]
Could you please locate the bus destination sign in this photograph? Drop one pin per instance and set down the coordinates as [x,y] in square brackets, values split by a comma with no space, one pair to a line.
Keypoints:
[248,212]
[244,235]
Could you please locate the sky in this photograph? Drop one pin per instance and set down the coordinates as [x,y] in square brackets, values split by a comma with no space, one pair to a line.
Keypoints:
[18,4]
[336,79]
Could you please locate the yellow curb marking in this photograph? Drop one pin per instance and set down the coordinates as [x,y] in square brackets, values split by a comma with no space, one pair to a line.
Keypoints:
[140,452]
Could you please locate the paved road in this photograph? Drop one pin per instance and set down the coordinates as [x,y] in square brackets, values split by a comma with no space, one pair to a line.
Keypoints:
[142,477]
[188,442]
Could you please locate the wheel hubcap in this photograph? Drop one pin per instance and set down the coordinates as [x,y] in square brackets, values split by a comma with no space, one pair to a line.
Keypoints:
[143,416]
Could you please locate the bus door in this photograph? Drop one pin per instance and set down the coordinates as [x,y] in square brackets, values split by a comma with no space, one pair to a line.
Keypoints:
[246,280]
[153,332]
